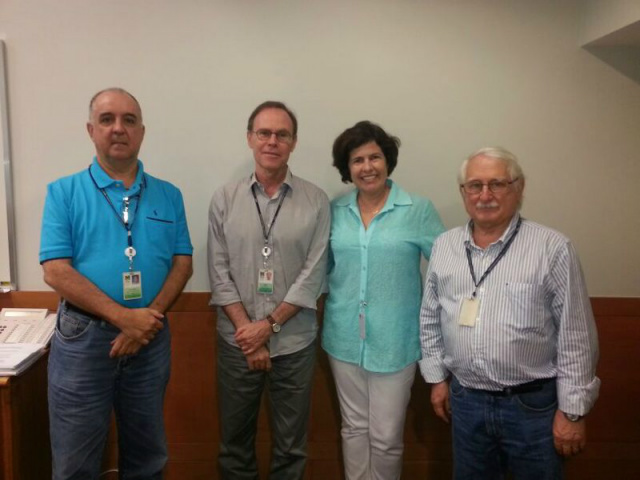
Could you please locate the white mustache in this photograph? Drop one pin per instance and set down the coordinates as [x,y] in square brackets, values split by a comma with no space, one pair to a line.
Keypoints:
[487,205]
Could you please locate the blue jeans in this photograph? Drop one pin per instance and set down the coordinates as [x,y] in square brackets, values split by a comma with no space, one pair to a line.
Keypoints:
[496,434]
[239,392]
[85,385]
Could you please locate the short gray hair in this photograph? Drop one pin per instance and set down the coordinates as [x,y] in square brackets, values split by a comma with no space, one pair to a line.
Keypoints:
[112,89]
[499,153]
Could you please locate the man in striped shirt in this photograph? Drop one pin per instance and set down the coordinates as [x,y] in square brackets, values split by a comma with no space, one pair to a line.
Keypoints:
[508,338]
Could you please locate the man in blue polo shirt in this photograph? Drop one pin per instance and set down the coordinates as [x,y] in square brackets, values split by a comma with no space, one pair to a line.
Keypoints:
[116,247]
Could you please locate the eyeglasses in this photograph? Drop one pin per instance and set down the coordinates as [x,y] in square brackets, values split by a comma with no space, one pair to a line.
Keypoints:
[495,186]
[282,136]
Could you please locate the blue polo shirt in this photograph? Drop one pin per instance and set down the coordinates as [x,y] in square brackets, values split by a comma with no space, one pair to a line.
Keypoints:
[79,223]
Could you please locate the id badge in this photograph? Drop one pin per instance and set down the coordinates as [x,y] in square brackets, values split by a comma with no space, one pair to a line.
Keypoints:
[132,285]
[265,281]
[469,312]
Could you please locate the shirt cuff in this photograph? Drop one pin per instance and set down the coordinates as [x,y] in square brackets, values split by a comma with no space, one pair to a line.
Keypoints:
[302,299]
[577,400]
[433,371]
[221,297]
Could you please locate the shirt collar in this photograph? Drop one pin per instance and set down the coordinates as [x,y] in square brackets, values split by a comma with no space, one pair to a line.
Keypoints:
[103,180]
[468,236]
[396,197]
[288,181]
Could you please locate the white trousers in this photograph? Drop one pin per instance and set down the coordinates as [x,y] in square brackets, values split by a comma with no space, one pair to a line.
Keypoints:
[373,407]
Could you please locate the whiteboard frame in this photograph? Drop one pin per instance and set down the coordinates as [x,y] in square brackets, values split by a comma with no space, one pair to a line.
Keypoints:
[8,178]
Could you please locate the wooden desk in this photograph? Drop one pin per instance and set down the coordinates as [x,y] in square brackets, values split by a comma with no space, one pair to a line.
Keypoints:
[25,452]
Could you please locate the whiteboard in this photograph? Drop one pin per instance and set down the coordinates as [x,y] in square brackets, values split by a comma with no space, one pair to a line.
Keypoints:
[7,231]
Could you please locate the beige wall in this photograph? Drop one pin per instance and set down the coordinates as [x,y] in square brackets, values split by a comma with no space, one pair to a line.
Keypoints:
[602,17]
[446,77]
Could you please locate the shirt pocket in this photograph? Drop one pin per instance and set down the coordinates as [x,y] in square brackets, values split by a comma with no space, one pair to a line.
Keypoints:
[526,301]
[161,233]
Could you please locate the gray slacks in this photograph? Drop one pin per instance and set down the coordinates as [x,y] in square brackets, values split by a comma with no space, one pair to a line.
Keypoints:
[289,393]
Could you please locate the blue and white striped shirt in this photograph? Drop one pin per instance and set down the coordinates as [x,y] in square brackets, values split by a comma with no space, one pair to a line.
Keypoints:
[534,320]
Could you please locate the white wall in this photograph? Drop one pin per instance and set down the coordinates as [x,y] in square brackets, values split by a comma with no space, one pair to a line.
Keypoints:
[446,77]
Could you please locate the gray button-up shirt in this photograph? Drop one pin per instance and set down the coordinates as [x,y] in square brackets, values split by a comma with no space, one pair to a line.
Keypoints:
[298,238]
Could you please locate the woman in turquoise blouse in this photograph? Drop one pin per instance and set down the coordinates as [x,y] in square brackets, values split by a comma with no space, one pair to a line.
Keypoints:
[371,322]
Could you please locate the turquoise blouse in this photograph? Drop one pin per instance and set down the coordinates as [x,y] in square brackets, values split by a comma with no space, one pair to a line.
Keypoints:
[371,315]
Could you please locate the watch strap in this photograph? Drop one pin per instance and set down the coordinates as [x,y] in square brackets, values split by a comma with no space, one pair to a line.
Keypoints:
[572,417]
[275,326]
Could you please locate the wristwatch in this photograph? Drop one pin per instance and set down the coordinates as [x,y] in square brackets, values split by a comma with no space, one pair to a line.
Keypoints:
[275,326]
[572,417]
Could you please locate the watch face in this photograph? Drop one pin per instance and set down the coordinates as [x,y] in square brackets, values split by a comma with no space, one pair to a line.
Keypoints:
[275,327]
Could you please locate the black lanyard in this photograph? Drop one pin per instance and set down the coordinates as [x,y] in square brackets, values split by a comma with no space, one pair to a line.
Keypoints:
[124,222]
[494,263]
[266,232]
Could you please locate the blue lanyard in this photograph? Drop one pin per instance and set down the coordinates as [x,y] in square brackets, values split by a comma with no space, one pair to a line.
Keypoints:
[124,220]
[266,232]
[494,263]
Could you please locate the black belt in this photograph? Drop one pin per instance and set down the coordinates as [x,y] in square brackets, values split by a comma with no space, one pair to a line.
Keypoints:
[528,387]
[70,306]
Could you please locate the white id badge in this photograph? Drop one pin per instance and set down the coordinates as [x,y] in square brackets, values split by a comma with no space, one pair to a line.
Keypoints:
[132,285]
[469,312]
[265,280]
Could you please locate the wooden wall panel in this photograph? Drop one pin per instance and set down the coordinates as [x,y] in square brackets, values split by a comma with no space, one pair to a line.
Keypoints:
[191,405]
[192,421]
[24,425]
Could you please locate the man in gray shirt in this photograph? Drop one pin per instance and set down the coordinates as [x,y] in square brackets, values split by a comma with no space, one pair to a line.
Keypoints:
[268,236]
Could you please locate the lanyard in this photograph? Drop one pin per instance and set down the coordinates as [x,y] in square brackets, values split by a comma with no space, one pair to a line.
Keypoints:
[266,251]
[494,263]
[124,219]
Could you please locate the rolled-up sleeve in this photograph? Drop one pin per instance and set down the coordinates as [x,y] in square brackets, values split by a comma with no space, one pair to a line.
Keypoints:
[577,384]
[308,285]
[223,289]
